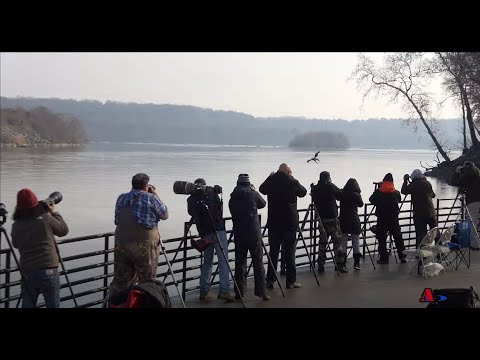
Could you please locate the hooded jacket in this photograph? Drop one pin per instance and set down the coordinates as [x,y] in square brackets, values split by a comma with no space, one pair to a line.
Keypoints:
[386,200]
[325,195]
[422,193]
[349,203]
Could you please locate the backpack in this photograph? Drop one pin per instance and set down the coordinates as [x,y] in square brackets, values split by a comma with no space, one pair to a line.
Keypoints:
[149,294]
[455,298]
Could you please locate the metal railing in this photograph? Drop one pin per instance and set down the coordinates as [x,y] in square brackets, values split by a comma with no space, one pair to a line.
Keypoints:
[91,272]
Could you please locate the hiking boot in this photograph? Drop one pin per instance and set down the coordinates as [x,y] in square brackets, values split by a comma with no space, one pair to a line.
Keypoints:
[321,268]
[282,273]
[382,261]
[264,296]
[204,295]
[269,284]
[225,296]
[295,285]
[403,260]
[237,297]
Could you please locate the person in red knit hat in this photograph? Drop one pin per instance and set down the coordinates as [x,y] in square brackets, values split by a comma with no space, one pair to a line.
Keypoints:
[33,234]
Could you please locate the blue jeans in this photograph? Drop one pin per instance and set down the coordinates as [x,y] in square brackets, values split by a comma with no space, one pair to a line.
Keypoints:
[43,281]
[222,264]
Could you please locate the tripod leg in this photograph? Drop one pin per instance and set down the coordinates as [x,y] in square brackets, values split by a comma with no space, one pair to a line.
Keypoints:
[66,276]
[308,255]
[171,273]
[274,271]
[365,245]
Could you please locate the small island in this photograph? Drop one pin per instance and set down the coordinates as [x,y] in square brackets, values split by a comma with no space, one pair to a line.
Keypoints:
[39,126]
[320,140]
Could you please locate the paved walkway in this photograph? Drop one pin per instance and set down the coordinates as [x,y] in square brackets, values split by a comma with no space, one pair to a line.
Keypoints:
[389,286]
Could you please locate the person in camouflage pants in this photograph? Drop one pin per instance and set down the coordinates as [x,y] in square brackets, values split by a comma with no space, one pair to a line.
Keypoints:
[137,238]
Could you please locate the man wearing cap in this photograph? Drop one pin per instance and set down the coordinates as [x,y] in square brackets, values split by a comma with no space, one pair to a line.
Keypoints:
[243,204]
[210,231]
[325,195]
[422,194]
[386,199]
[137,239]
[33,234]
[282,190]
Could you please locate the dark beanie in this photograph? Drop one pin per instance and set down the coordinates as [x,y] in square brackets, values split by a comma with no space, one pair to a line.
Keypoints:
[26,199]
[388,177]
[200,181]
[324,176]
[243,179]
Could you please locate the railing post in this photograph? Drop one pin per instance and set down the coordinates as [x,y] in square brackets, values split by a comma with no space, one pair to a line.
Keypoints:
[105,267]
[7,278]
[438,213]
[364,228]
[184,270]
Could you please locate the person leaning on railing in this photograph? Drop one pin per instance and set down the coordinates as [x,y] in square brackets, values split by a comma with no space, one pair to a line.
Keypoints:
[33,234]
[468,178]
[422,194]
[137,239]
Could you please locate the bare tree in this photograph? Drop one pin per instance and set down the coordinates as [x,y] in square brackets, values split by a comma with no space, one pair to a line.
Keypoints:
[403,77]
[459,80]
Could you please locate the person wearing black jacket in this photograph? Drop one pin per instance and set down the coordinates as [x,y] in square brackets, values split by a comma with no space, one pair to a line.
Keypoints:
[349,220]
[386,199]
[207,230]
[282,190]
[422,194]
[325,195]
[467,177]
[243,204]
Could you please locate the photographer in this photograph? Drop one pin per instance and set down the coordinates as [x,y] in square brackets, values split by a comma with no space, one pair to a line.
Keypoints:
[282,190]
[33,234]
[243,204]
[422,194]
[468,178]
[206,230]
[137,238]
[325,195]
[386,199]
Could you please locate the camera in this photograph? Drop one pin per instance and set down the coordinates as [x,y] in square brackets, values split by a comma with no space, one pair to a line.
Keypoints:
[54,197]
[188,188]
[150,187]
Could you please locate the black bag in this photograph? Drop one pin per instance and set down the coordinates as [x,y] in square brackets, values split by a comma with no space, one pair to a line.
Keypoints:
[455,298]
[149,294]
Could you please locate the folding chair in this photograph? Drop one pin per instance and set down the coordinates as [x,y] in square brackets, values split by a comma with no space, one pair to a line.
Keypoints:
[442,249]
[424,250]
[461,248]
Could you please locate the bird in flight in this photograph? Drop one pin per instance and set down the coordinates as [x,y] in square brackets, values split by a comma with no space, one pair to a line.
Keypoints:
[315,158]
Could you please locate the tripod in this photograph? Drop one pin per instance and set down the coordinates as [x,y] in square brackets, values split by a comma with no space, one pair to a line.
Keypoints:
[202,202]
[4,232]
[171,273]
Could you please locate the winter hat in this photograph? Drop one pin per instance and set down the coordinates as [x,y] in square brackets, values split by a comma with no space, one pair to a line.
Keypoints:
[200,181]
[26,199]
[325,176]
[388,177]
[416,174]
[243,179]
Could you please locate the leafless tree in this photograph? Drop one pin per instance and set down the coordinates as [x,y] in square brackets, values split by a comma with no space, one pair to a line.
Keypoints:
[460,79]
[404,77]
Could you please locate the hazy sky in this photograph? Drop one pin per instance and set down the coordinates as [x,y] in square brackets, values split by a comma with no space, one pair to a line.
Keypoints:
[260,84]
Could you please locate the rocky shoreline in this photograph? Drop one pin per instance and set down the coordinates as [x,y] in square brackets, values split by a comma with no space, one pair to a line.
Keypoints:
[444,171]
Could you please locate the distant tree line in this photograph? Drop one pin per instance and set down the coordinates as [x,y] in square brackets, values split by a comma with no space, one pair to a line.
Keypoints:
[39,126]
[164,123]
[320,140]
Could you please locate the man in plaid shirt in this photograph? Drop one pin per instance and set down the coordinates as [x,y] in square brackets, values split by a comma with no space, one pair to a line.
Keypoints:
[137,238]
